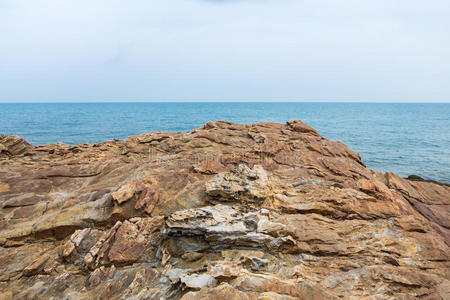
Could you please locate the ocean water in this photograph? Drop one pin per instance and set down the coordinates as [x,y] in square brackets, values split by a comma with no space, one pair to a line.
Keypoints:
[403,138]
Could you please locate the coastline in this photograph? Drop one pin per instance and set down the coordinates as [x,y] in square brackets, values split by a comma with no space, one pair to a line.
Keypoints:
[403,138]
[418,178]
[226,210]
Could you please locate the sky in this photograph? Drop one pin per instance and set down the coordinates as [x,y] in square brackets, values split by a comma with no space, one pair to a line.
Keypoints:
[224,50]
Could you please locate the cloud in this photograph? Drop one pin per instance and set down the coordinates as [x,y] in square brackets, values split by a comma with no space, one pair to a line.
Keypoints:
[224,50]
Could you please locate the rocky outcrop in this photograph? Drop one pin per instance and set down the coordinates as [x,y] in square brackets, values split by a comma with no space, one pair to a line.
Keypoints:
[226,211]
[13,145]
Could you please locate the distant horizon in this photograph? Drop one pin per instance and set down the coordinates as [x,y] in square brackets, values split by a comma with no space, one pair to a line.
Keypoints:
[231,101]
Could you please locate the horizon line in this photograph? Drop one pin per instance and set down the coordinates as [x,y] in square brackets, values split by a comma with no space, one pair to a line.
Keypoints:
[232,101]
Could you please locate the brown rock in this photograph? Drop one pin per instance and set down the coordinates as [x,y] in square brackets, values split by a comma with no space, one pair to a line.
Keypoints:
[301,127]
[147,197]
[222,292]
[266,283]
[241,184]
[209,167]
[122,251]
[100,274]
[14,145]
[44,264]
[124,243]
[226,211]
[23,200]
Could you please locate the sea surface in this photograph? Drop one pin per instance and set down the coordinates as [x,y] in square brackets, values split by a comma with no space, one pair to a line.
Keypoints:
[402,138]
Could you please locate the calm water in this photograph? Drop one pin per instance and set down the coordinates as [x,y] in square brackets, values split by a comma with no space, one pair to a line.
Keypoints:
[404,138]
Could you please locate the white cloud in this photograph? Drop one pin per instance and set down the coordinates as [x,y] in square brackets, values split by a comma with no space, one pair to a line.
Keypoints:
[228,50]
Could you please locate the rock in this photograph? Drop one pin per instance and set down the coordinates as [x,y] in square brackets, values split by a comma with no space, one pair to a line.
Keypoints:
[14,145]
[131,240]
[44,264]
[418,178]
[221,226]
[225,270]
[415,177]
[226,211]
[241,184]
[198,281]
[3,148]
[301,127]
[8,295]
[36,266]
[191,256]
[266,283]
[124,243]
[406,276]
[209,167]
[100,274]
[122,251]
[25,199]
[222,292]
[147,197]
[251,259]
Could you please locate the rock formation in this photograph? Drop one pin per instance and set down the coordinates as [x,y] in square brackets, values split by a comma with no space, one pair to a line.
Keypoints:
[227,211]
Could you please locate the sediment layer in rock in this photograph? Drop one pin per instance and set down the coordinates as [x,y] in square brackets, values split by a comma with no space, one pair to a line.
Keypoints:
[226,211]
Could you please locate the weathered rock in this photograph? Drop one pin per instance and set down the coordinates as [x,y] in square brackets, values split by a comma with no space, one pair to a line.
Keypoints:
[299,126]
[266,283]
[209,167]
[100,275]
[124,243]
[222,292]
[226,211]
[147,196]
[222,226]
[14,145]
[241,184]
[44,264]
[198,281]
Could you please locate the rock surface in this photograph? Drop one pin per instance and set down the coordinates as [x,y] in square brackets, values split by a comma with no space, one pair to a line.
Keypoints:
[226,211]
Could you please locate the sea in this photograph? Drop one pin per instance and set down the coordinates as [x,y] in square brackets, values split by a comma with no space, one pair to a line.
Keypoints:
[405,138]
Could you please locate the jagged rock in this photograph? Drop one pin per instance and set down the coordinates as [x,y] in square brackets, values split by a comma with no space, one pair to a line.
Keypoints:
[266,283]
[26,199]
[226,211]
[299,126]
[14,145]
[148,197]
[198,281]
[44,264]
[225,270]
[99,275]
[222,292]
[192,256]
[241,184]
[124,243]
[222,226]
[209,167]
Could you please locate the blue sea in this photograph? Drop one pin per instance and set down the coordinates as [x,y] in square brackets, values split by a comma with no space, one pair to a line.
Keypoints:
[403,138]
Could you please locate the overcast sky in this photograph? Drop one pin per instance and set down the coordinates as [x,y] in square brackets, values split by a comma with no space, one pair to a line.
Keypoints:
[219,50]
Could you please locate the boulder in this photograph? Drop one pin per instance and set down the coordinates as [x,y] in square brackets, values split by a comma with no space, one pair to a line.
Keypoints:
[14,145]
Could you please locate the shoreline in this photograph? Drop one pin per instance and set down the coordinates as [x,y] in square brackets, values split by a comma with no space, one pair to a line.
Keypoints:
[19,144]
[420,179]
[393,137]
[228,210]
